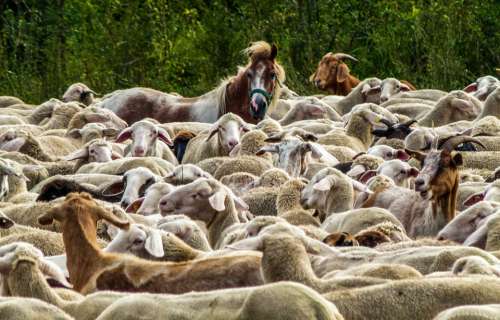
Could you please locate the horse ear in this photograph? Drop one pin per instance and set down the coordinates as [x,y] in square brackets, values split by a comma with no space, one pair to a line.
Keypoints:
[274,51]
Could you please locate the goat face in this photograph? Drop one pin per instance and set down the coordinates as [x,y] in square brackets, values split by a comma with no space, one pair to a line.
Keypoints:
[439,174]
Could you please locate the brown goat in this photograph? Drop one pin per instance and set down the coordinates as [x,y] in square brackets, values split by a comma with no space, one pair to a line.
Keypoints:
[90,268]
[333,74]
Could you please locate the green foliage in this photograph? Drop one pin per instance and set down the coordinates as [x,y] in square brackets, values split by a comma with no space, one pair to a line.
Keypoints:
[188,46]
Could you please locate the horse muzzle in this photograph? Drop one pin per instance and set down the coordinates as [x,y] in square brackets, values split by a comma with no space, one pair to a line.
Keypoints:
[258,107]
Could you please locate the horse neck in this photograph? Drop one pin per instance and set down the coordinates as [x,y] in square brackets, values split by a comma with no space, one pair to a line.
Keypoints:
[237,99]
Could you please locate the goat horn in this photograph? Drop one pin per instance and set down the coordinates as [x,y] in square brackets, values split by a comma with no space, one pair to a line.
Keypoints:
[409,122]
[450,143]
[342,56]
[386,122]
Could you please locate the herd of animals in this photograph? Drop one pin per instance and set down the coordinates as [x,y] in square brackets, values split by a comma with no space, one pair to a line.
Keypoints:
[376,201]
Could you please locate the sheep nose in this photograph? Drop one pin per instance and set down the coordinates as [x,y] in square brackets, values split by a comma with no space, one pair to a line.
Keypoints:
[441,238]
[419,182]
[384,99]
[139,151]
[163,203]
[232,143]
[124,204]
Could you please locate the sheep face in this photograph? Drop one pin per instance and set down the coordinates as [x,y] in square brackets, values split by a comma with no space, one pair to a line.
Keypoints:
[199,200]
[144,135]
[12,141]
[468,221]
[400,172]
[229,129]
[95,151]
[185,173]
[137,240]
[79,92]
[482,87]
[388,153]
[149,204]
[390,87]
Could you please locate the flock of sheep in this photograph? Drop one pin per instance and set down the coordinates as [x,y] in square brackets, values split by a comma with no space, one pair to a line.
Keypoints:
[380,202]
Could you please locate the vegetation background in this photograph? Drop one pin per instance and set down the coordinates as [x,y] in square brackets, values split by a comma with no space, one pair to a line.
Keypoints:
[187,46]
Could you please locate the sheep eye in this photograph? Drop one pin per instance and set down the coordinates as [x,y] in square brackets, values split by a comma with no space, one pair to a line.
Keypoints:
[403,172]
[138,241]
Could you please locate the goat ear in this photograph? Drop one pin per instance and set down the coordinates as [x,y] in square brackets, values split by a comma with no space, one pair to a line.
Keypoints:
[367,176]
[154,244]
[270,148]
[110,217]
[163,136]
[49,216]
[213,131]
[274,51]
[471,87]
[458,160]
[78,154]
[217,200]
[324,184]
[74,133]
[135,205]
[473,199]
[342,72]
[415,154]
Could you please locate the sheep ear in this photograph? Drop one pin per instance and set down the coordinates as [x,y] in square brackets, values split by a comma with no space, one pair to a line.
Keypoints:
[356,171]
[473,199]
[134,206]
[213,131]
[74,133]
[111,230]
[115,155]
[240,204]
[275,137]
[217,200]
[109,132]
[324,184]
[420,156]
[413,172]
[163,136]
[253,243]
[342,72]
[371,91]
[154,244]
[367,176]
[403,87]
[236,150]
[270,148]
[79,154]
[471,88]
[124,135]
[113,189]
[315,110]
[402,155]
[49,216]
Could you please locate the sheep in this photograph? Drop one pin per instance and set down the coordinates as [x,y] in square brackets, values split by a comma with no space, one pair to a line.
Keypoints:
[294,155]
[11,120]
[27,266]
[410,299]
[93,114]
[61,116]
[180,141]
[474,265]
[358,135]
[148,140]
[94,151]
[79,92]
[250,164]
[289,196]
[285,259]
[151,244]
[470,312]
[227,130]
[487,126]
[390,87]
[185,173]
[149,204]
[272,178]
[251,142]
[410,110]
[12,180]
[467,221]
[356,220]
[482,87]
[426,94]
[387,153]
[269,126]
[92,131]
[43,148]
[207,200]
[240,182]
[360,94]
[262,201]
[93,268]
[491,105]
[361,164]
[186,229]
[6,101]
[328,192]
[119,166]
[378,270]
[400,172]
[133,184]
[455,106]
[15,308]
[310,108]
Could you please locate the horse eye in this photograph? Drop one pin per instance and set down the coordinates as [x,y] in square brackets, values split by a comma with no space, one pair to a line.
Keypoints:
[273,75]
[249,75]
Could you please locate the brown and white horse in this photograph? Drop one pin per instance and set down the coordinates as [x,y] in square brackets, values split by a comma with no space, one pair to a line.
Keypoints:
[250,94]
